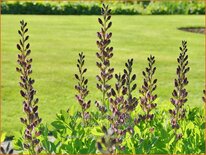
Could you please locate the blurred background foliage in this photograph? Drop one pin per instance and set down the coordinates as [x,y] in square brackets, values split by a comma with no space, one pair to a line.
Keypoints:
[125,7]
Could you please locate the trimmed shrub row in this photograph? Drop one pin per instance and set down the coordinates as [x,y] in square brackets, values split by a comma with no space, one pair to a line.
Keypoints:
[93,8]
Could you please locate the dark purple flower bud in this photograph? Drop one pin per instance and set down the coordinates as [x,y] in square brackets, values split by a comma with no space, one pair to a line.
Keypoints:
[85,82]
[36,141]
[28,52]
[29,72]
[18,47]
[26,146]
[35,109]
[76,76]
[23,120]
[26,38]
[37,133]
[84,71]
[100,21]
[133,77]
[98,43]
[124,91]
[178,136]
[145,83]
[173,101]
[18,69]
[185,81]
[104,129]
[108,18]
[155,81]
[39,149]
[107,87]
[28,137]
[109,36]
[154,69]
[36,101]
[109,25]
[99,146]
[27,46]
[174,93]
[99,35]
[134,87]
[87,116]
[113,92]
[136,121]
[103,140]
[111,70]
[110,77]
[98,78]
[22,93]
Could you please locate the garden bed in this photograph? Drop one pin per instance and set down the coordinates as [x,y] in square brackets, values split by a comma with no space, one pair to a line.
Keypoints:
[193,29]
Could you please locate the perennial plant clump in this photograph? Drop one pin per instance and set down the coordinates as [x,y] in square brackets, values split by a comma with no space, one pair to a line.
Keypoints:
[124,117]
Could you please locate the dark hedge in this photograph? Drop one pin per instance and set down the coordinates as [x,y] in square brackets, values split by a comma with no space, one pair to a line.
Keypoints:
[93,8]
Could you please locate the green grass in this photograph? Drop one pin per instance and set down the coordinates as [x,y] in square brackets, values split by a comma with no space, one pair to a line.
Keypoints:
[56,41]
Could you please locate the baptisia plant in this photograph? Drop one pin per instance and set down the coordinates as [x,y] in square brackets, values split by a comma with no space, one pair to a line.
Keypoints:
[81,88]
[180,93]
[104,55]
[147,96]
[132,102]
[32,119]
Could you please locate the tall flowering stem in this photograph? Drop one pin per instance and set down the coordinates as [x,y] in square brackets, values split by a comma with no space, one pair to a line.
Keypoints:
[180,93]
[104,55]
[81,88]
[132,102]
[148,97]
[119,118]
[32,120]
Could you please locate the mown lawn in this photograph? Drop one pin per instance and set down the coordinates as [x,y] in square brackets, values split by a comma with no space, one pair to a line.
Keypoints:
[56,41]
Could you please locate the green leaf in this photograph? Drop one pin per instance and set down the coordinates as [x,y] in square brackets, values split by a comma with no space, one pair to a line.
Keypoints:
[68,148]
[77,144]
[3,136]
[190,125]
[71,110]
[137,130]
[96,131]
[197,131]
[129,142]
[58,125]
[92,146]
[172,140]
[84,151]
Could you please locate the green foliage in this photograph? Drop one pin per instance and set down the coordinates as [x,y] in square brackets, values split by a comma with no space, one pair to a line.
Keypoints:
[180,7]
[93,8]
[70,136]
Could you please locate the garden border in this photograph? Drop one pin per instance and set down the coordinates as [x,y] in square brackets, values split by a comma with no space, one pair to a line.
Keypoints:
[89,1]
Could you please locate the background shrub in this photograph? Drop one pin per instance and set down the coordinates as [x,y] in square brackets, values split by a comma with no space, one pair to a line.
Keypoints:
[93,8]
